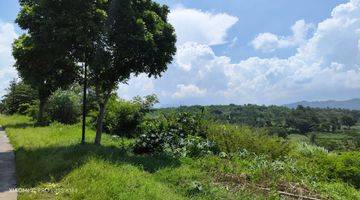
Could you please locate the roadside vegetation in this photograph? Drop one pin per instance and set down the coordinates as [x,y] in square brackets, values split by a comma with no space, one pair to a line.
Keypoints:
[175,155]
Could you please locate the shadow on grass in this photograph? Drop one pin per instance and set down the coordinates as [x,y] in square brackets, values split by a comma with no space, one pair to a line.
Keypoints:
[18,125]
[35,166]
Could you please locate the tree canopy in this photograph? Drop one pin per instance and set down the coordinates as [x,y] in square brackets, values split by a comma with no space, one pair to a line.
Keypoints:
[117,39]
[136,38]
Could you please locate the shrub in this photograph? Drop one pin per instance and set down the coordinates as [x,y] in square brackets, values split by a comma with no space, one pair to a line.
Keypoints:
[277,131]
[122,117]
[194,146]
[64,106]
[190,124]
[153,137]
[309,150]
[346,166]
[33,109]
[231,139]
[178,134]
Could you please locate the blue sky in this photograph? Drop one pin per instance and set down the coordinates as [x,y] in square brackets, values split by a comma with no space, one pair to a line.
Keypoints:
[244,51]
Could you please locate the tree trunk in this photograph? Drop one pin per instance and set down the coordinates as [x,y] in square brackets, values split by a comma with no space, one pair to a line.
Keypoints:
[41,119]
[99,126]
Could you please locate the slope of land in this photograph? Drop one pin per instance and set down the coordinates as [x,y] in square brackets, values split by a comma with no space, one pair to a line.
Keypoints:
[52,164]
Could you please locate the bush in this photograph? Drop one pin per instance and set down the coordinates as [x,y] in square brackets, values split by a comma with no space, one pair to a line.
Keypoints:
[123,117]
[194,146]
[190,124]
[309,150]
[277,131]
[154,136]
[345,166]
[33,110]
[64,107]
[231,139]
[178,134]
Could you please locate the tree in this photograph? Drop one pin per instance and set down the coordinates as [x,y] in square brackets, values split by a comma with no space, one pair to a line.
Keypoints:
[348,121]
[303,119]
[44,57]
[41,66]
[64,33]
[136,38]
[18,98]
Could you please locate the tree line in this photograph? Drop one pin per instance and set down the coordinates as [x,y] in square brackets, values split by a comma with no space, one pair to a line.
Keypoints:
[284,120]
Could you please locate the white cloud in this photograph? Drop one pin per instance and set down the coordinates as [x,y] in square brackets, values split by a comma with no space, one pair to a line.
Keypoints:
[269,42]
[192,52]
[7,72]
[140,85]
[326,65]
[185,91]
[202,27]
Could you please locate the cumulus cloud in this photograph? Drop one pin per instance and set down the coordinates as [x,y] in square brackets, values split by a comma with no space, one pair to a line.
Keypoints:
[140,85]
[192,52]
[269,42]
[186,91]
[7,72]
[326,65]
[193,25]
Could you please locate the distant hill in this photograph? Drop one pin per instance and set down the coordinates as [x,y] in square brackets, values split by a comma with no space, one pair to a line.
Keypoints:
[352,104]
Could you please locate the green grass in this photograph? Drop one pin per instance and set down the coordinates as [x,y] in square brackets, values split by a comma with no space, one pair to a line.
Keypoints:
[51,162]
[51,158]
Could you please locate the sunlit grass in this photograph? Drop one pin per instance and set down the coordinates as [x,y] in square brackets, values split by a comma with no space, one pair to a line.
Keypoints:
[54,165]
[52,158]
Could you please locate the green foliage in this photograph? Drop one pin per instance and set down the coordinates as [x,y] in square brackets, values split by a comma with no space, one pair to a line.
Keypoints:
[57,39]
[346,140]
[42,66]
[116,56]
[274,118]
[307,150]
[59,163]
[303,120]
[65,106]
[179,134]
[18,99]
[277,131]
[68,170]
[123,117]
[348,121]
[194,146]
[154,136]
[345,166]
[231,139]
[33,111]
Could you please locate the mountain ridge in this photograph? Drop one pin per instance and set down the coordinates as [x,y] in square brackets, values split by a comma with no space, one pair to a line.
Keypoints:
[351,104]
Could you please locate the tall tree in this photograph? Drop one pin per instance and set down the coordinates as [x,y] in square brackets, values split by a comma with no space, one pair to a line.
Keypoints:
[136,38]
[18,98]
[43,68]
[348,120]
[60,34]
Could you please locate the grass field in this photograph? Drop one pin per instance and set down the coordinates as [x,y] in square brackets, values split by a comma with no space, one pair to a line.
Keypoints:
[52,164]
[51,159]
